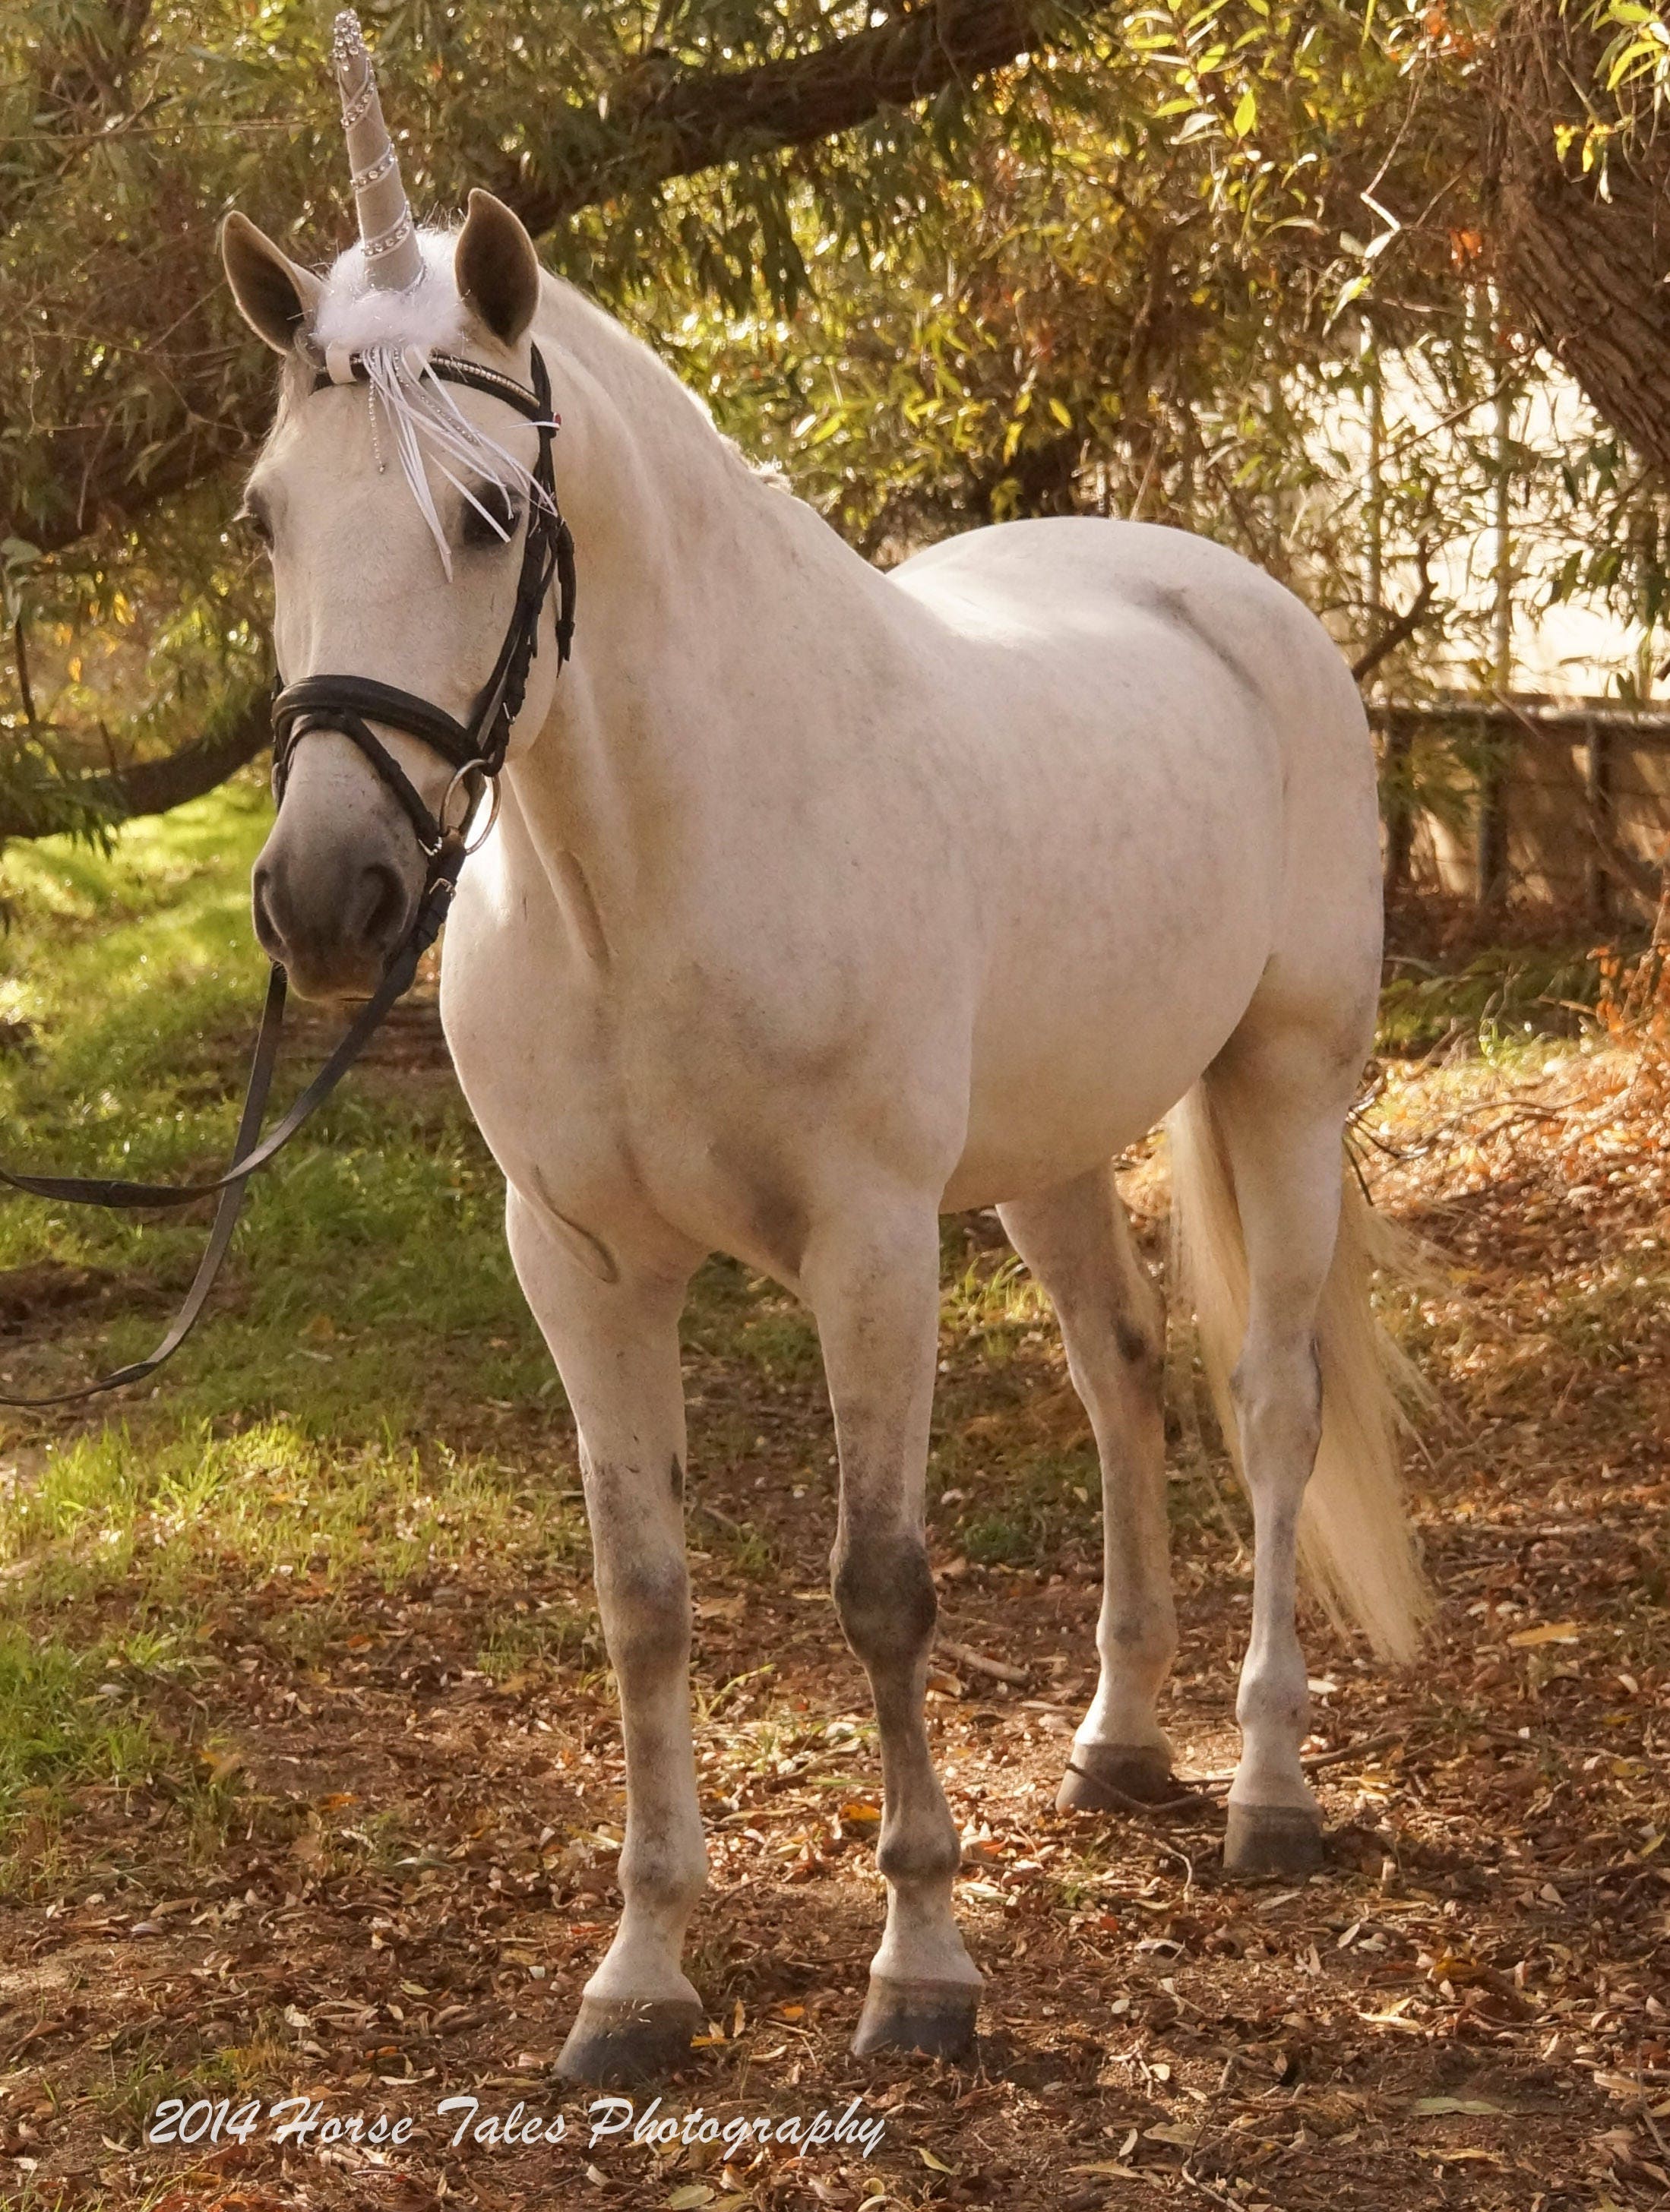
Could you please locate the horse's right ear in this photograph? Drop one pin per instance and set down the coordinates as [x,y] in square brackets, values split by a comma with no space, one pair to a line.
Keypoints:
[275,297]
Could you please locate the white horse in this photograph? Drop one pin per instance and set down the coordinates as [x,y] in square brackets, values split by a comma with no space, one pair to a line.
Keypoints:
[824,902]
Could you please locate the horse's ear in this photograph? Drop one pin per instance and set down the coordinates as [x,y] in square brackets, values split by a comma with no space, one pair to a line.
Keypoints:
[496,268]
[276,298]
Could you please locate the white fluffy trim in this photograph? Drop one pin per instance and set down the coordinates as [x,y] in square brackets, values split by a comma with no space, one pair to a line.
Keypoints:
[356,314]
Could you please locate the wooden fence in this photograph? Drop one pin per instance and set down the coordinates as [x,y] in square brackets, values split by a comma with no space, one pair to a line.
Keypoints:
[1560,802]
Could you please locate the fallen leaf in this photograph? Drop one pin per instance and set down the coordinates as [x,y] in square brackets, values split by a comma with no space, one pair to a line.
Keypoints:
[1428,2105]
[1617,2085]
[690,2196]
[929,2159]
[1550,1631]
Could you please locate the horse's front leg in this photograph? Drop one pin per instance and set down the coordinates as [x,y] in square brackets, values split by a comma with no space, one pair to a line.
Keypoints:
[874,1286]
[616,1346]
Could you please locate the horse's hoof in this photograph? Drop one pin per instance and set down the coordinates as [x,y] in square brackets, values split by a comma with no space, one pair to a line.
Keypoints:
[1284,1840]
[616,2042]
[937,2017]
[1111,1777]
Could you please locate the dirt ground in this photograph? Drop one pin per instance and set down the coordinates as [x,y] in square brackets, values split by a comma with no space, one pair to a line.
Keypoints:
[412,1871]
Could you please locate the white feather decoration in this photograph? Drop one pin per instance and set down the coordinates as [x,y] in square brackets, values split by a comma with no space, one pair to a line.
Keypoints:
[424,419]
[395,333]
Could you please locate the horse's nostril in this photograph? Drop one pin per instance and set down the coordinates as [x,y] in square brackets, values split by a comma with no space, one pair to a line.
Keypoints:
[383,905]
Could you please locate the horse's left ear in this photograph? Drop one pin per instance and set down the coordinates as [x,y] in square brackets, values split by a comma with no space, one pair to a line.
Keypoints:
[496,268]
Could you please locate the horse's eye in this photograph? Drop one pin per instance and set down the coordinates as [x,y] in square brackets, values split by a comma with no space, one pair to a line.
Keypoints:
[493,516]
[256,521]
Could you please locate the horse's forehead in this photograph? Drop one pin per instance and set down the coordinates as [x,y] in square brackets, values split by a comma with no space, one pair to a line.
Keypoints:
[340,434]
[322,435]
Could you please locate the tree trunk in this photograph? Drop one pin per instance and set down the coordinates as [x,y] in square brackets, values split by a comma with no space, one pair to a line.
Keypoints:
[1581,258]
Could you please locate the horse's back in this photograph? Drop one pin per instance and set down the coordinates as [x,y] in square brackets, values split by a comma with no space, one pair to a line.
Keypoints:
[1152,669]
[1036,586]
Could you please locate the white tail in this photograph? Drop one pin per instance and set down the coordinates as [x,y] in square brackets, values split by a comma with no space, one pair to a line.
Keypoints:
[1355,1541]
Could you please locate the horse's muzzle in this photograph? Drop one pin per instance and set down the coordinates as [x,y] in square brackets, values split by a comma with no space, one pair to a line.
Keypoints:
[333,919]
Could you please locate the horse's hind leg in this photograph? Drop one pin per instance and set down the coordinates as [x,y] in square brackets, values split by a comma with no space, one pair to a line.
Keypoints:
[1278,1095]
[1076,1242]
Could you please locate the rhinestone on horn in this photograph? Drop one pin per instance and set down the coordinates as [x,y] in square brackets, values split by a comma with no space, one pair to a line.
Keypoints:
[393,259]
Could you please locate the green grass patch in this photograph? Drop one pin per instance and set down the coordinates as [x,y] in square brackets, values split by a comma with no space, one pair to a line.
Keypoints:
[322,1435]
[66,1715]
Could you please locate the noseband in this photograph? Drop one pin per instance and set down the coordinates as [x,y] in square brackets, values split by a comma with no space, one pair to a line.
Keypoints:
[475,750]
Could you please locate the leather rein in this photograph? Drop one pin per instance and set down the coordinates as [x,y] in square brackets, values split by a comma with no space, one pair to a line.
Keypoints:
[348,705]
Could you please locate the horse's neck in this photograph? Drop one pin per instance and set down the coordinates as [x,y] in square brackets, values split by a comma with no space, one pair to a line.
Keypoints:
[703,593]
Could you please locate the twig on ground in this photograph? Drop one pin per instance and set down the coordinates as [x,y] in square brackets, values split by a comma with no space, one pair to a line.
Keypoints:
[999,1669]
[1314,1759]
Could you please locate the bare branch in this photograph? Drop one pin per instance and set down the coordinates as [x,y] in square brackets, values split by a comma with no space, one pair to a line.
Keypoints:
[146,787]
[1398,632]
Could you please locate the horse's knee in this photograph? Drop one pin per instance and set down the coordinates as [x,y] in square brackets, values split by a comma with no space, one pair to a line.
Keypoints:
[646,1618]
[884,1597]
[1139,1339]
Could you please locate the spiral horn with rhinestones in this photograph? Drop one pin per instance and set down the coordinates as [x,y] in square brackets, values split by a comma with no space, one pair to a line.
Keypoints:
[392,257]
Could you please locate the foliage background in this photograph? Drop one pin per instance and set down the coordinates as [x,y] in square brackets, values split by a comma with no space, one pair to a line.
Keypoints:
[1195,263]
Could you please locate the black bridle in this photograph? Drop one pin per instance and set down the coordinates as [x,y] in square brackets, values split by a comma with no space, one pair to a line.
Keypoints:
[475,750]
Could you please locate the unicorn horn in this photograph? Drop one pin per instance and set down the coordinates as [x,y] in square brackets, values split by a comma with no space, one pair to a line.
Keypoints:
[393,260]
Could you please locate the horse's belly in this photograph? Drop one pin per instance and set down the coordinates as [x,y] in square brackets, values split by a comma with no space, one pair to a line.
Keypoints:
[1057,1096]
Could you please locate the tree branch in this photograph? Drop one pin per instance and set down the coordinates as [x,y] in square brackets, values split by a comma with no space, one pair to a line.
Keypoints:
[146,788]
[1397,632]
[664,121]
